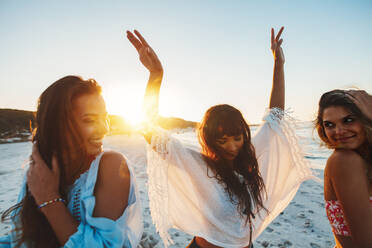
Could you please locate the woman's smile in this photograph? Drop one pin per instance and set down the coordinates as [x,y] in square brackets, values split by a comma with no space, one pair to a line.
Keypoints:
[342,128]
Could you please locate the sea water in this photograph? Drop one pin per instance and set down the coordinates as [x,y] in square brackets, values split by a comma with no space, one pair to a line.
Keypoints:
[14,157]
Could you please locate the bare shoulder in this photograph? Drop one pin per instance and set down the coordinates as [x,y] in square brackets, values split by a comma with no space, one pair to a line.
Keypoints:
[350,183]
[112,156]
[113,165]
[345,164]
[112,186]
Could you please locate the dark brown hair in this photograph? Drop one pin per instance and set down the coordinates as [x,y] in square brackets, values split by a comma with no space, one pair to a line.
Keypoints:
[340,98]
[343,99]
[223,120]
[56,134]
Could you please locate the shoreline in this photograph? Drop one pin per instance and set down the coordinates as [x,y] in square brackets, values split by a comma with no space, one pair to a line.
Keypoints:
[302,224]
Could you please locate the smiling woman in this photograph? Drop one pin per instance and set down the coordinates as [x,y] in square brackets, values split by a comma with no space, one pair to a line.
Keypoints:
[343,129]
[75,195]
[92,120]
[227,194]
[344,123]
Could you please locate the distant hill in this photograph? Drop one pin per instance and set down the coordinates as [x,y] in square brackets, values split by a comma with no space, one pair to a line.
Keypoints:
[118,125]
[174,122]
[15,125]
[15,122]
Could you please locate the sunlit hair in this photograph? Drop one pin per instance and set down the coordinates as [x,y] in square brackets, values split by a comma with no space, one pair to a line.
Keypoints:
[56,134]
[223,120]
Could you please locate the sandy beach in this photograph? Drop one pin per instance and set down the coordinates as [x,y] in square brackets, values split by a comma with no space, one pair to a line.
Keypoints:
[302,224]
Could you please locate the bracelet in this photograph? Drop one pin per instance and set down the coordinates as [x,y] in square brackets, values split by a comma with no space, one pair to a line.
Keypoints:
[51,202]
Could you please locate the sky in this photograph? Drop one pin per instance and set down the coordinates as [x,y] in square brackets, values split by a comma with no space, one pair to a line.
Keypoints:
[212,52]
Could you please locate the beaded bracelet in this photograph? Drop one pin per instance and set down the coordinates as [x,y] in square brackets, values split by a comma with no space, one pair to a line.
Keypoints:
[50,202]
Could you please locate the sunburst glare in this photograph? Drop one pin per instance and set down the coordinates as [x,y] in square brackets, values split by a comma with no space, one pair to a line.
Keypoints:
[128,106]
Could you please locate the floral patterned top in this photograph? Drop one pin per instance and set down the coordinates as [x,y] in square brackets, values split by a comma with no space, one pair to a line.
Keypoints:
[336,217]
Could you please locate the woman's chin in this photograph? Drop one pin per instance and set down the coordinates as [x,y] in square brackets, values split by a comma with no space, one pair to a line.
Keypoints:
[348,146]
[94,151]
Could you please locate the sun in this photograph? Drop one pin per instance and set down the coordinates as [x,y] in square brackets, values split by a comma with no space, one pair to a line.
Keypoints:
[133,116]
[127,102]
[128,106]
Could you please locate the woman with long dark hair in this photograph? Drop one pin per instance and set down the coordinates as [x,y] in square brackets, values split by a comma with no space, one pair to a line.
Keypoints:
[344,124]
[226,193]
[74,195]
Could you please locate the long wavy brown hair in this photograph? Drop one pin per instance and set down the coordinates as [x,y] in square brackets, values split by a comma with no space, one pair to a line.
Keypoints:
[56,134]
[341,98]
[223,120]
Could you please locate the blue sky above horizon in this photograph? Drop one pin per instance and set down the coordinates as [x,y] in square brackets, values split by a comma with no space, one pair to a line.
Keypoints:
[212,51]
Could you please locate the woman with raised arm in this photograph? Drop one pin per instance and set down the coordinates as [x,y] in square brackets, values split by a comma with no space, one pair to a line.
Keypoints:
[344,123]
[74,195]
[226,193]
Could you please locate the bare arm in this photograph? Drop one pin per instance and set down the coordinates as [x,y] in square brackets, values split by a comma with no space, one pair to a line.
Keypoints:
[277,97]
[348,173]
[151,61]
[112,186]
[111,192]
[43,184]
[151,99]
[61,221]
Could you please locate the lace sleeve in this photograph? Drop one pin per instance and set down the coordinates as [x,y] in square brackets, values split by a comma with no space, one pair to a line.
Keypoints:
[277,136]
[170,162]
[281,163]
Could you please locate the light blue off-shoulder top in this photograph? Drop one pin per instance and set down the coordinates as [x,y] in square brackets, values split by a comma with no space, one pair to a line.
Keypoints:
[126,231]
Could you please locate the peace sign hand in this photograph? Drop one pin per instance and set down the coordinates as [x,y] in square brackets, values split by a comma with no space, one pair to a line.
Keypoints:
[276,48]
[147,56]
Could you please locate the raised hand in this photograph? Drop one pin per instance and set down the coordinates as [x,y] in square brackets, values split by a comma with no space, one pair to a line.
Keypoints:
[363,100]
[146,54]
[277,98]
[42,182]
[276,48]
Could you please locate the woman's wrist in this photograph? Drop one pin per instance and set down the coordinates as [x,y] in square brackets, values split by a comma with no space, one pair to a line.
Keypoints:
[278,63]
[51,202]
[155,77]
[157,73]
[47,197]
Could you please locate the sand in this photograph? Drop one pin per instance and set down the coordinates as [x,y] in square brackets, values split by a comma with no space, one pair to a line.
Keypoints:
[302,224]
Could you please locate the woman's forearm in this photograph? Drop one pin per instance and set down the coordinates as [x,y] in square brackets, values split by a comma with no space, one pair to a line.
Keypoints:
[151,100]
[277,98]
[61,221]
[278,88]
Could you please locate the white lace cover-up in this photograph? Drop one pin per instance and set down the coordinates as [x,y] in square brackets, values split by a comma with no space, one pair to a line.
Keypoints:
[183,196]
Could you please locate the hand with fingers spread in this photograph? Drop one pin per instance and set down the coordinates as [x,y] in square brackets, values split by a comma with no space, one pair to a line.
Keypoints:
[146,54]
[363,100]
[42,182]
[276,48]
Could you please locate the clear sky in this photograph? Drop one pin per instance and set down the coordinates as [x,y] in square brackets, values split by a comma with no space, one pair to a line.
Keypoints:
[212,51]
